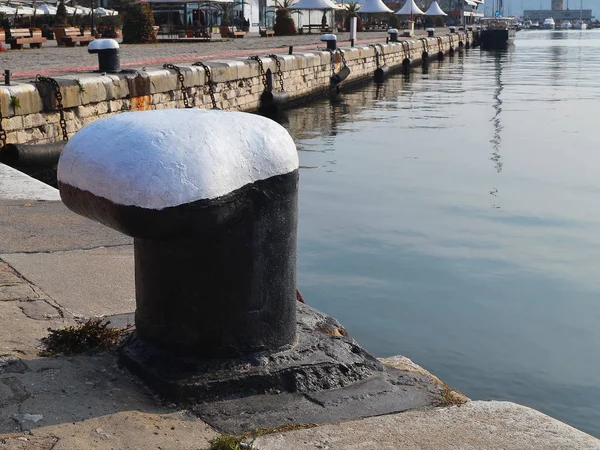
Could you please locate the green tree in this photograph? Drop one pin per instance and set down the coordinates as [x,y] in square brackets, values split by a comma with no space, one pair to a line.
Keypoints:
[139,25]
[284,23]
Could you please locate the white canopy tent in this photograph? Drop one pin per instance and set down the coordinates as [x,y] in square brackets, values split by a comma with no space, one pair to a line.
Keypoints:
[409,9]
[314,4]
[435,10]
[374,7]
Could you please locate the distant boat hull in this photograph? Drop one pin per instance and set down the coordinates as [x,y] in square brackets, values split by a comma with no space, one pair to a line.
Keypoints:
[492,39]
[580,26]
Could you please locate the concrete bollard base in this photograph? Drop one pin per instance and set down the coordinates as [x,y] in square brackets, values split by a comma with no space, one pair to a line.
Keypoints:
[325,377]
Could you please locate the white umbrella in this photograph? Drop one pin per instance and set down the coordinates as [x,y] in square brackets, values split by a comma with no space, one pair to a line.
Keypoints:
[435,10]
[22,10]
[101,11]
[409,9]
[44,8]
[82,10]
[7,10]
[373,7]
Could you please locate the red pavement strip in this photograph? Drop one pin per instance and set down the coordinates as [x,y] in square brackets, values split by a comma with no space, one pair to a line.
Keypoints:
[151,62]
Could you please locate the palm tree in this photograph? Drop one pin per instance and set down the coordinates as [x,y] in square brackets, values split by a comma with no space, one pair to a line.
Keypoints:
[284,24]
[352,8]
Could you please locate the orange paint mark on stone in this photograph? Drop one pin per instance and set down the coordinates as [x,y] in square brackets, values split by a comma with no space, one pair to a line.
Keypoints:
[141,103]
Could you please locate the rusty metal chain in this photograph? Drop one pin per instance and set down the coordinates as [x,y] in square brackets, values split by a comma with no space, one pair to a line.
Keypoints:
[376,54]
[382,53]
[262,70]
[425,45]
[2,132]
[279,71]
[440,44]
[332,53]
[59,106]
[344,62]
[209,82]
[184,94]
[406,52]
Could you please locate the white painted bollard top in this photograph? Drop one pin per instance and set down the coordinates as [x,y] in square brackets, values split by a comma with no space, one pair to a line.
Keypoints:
[164,158]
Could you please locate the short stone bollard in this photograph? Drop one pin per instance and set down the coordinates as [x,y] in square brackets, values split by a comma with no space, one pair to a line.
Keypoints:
[108,54]
[330,40]
[210,198]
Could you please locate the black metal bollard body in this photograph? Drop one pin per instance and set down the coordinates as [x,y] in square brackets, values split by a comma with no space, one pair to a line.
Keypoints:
[393,34]
[210,198]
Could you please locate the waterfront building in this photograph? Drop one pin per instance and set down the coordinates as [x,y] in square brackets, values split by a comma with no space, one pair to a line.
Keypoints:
[557,15]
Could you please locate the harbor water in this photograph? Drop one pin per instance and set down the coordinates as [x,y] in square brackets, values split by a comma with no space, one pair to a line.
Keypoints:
[452,217]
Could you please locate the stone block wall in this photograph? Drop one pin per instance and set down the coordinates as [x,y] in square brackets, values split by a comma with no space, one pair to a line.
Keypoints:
[30,109]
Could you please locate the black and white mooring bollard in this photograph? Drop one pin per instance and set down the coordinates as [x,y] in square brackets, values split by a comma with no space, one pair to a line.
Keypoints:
[331,40]
[108,54]
[430,32]
[393,34]
[210,198]
[452,29]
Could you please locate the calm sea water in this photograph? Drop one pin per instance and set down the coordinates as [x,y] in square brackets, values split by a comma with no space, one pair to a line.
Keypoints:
[454,218]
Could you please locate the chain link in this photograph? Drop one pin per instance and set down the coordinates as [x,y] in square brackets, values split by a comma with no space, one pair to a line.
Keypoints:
[209,82]
[262,70]
[59,105]
[184,94]
[279,71]
[382,54]
[406,54]
[344,62]
[332,53]
[2,132]
[376,54]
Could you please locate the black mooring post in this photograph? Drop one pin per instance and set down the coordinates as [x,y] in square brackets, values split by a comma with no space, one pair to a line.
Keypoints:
[7,77]
[290,49]
[215,260]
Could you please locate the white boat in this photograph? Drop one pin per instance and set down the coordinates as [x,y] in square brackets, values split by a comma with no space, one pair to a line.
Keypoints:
[580,24]
[566,25]
[549,24]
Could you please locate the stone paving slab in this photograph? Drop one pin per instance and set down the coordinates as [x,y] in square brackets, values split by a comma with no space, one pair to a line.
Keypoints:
[85,283]
[15,185]
[38,226]
[86,402]
[472,426]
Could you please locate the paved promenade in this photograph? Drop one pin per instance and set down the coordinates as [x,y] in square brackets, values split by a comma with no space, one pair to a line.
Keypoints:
[52,60]
[56,266]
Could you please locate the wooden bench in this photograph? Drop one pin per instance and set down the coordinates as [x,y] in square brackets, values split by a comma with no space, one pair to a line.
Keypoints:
[308,29]
[19,36]
[73,36]
[264,32]
[236,34]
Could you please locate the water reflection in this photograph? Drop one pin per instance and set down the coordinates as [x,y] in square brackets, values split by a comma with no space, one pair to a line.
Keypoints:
[496,141]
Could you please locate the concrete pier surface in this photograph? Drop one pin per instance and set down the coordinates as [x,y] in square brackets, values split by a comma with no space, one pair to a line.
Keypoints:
[52,60]
[56,266]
